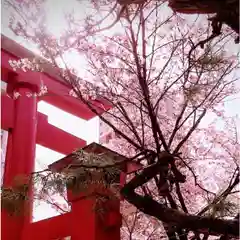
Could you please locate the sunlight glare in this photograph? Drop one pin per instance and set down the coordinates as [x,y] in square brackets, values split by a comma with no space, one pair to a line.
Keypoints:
[55,14]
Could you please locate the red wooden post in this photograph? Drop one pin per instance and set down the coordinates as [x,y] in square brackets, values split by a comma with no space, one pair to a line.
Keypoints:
[82,220]
[21,159]
[87,223]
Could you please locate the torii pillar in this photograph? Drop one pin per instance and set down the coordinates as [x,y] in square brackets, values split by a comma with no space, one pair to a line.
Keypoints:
[20,153]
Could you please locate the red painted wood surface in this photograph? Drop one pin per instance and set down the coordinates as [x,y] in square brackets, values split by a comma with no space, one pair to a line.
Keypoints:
[21,162]
[58,90]
[49,229]
[26,128]
[81,223]
[47,135]
[70,224]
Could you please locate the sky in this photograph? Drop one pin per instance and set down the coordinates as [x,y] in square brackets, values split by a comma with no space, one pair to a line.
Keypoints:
[78,127]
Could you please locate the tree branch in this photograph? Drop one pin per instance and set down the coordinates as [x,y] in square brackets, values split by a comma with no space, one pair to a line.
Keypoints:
[190,132]
[171,216]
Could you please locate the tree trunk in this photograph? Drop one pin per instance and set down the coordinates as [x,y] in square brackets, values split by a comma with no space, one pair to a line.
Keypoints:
[175,218]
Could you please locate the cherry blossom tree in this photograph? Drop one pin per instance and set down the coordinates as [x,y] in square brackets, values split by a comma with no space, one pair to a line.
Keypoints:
[167,88]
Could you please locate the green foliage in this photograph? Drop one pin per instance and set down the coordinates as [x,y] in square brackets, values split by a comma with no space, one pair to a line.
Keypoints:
[224,208]
[211,60]
[92,175]
[91,170]
[13,198]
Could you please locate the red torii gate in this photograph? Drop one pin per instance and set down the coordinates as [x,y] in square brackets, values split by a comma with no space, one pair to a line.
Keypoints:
[26,128]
